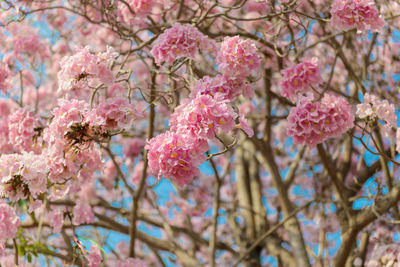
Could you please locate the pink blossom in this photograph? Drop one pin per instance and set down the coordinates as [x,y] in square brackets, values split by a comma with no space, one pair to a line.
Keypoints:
[113,113]
[175,156]
[299,78]
[203,117]
[222,87]
[83,66]
[31,45]
[360,13]
[23,130]
[94,258]
[56,219]
[137,173]
[70,147]
[134,12]
[133,147]
[82,213]
[5,75]
[22,175]
[130,262]
[5,144]
[312,123]
[398,140]
[180,41]
[68,113]
[245,126]
[9,221]
[247,108]
[56,162]
[110,173]
[140,7]
[238,57]
[373,108]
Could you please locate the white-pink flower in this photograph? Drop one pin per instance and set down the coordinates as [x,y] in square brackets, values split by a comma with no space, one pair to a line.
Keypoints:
[203,117]
[237,57]
[180,41]
[360,13]
[312,123]
[176,156]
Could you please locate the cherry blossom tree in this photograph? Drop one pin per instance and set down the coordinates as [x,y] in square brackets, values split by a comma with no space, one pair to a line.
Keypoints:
[199,133]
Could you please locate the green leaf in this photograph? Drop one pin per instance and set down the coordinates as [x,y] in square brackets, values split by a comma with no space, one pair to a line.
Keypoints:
[29,256]
[21,250]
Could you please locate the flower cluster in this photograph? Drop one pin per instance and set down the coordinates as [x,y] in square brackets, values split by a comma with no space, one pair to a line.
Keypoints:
[203,117]
[22,176]
[6,108]
[70,136]
[222,87]
[82,213]
[9,222]
[298,78]
[176,156]
[312,123]
[375,109]
[5,74]
[134,12]
[31,45]
[68,113]
[78,69]
[94,257]
[113,113]
[360,13]
[56,220]
[141,7]
[24,128]
[180,41]
[238,57]
[132,262]
[70,147]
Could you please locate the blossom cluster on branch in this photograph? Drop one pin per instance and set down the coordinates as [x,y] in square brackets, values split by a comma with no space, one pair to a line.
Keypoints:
[199,133]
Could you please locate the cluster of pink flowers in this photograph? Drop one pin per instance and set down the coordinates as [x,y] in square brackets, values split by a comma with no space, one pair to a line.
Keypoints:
[238,57]
[176,156]
[5,75]
[132,262]
[6,108]
[77,70]
[94,257]
[203,117]
[23,127]
[299,78]
[222,87]
[113,113]
[82,213]
[134,12]
[180,41]
[133,147]
[68,113]
[56,220]
[9,222]
[312,123]
[141,7]
[70,150]
[360,13]
[373,108]
[22,176]
[31,45]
